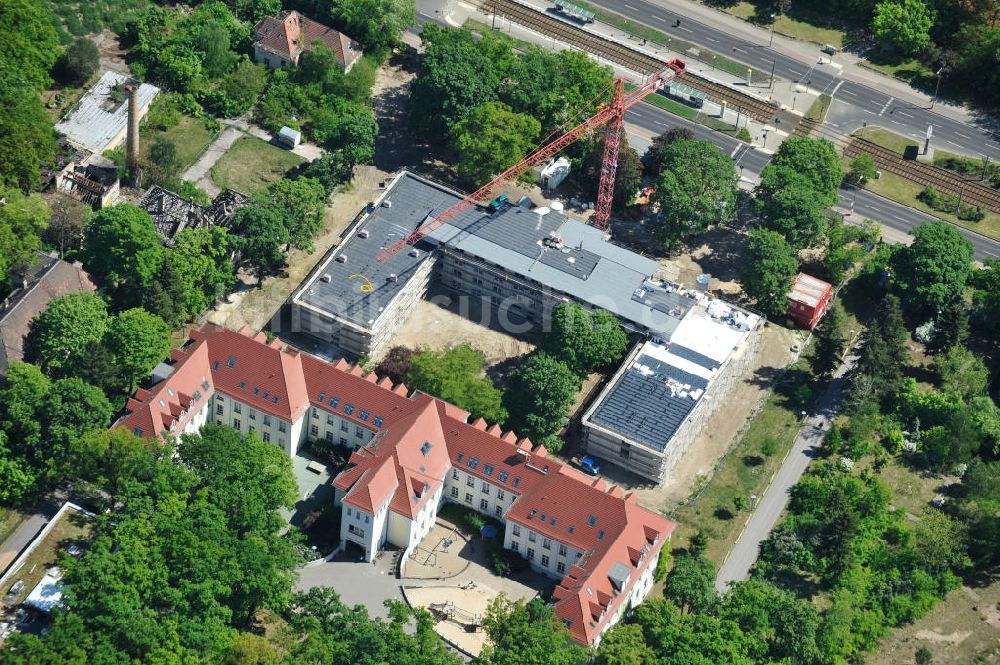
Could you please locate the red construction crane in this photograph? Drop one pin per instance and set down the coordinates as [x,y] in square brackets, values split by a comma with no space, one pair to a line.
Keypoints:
[612,116]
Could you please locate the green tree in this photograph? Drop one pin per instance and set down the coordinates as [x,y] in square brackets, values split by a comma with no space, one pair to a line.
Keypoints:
[217,55]
[584,340]
[22,219]
[78,62]
[830,342]
[302,201]
[788,204]
[770,265]
[961,372]
[17,478]
[27,139]
[346,127]
[250,649]
[652,160]
[22,394]
[526,633]
[785,623]
[903,26]
[139,340]
[696,188]
[951,326]
[625,645]
[539,396]
[121,248]
[30,45]
[691,639]
[197,271]
[979,508]
[986,296]
[863,168]
[163,154]
[691,584]
[258,236]
[456,79]
[628,174]
[377,24]
[456,375]
[64,329]
[109,458]
[817,160]
[934,269]
[879,370]
[491,139]
[71,409]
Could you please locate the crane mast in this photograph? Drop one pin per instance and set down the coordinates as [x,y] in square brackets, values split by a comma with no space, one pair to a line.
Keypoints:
[612,116]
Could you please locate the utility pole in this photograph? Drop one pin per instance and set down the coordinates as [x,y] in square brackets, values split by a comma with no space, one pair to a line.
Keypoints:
[937,86]
[771,41]
[494,14]
[770,86]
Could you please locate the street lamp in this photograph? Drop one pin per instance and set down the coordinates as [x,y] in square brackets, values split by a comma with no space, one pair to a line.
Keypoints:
[937,86]
[771,41]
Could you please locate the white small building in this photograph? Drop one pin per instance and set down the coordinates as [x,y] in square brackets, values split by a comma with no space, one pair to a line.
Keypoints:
[47,594]
[552,174]
[99,121]
[289,138]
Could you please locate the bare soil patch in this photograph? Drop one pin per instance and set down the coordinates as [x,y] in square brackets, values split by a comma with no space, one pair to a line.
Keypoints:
[111,52]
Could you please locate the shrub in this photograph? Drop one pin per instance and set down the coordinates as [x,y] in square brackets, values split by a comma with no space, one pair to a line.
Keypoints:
[769,446]
[744,135]
[78,62]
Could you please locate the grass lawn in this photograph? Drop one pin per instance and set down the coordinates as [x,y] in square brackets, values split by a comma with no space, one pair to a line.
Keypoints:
[886,139]
[912,71]
[9,520]
[817,112]
[912,489]
[796,28]
[687,112]
[746,470]
[904,191]
[190,137]
[72,527]
[251,164]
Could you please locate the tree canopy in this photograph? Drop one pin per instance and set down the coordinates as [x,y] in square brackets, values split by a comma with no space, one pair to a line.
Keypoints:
[78,62]
[22,219]
[62,332]
[491,139]
[903,25]
[30,45]
[456,375]
[768,271]
[584,340]
[934,269]
[138,340]
[27,139]
[789,204]
[526,634]
[696,188]
[538,398]
[377,24]
[816,160]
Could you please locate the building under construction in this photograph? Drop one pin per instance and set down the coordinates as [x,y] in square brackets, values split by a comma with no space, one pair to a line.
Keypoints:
[518,263]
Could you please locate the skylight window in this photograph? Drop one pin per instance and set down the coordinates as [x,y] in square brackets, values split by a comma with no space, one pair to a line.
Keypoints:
[137,431]
[592,520]
[543,517]
[275,399]
[461,456]
[488,469]
[170,392]
[196,396]
[322,396]
[503,476]
[256,390]
[334,401]
[348,409]
[267,394]
[552,521]
[600,534]
[231,362]
[517,481]
[473,462]
[378,421]
[426,448]
[572,530]
[162,403]
[363,415]
[215,365]
[243,384]
[204,383]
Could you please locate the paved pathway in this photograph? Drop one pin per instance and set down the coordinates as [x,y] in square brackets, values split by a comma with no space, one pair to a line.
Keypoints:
[29,528]
[744,553]
[199,172]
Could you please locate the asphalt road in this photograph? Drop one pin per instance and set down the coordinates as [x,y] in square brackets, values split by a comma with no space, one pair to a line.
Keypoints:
[864,203]
[865,103]
[744,554]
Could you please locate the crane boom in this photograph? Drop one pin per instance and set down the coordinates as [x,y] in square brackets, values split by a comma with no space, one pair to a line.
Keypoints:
[489,191]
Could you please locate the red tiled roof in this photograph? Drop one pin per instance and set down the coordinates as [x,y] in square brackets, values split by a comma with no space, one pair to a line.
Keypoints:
[374,487]
[289,34]
[51,279]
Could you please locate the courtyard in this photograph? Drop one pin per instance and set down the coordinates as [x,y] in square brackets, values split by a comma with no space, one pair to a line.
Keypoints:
[450,574]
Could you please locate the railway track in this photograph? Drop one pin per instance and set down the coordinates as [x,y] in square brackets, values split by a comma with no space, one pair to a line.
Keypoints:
[758,109]
[970,192]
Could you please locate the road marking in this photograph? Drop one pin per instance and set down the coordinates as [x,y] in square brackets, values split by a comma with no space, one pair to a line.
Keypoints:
[848,92]
[712,39]
[837,87]
[735,150]
[886,107]
[684,28]
[867,111]
[659,18]
[833,124]
[962,135]
[631,7]
[953,143]
[904,114]
[739,50]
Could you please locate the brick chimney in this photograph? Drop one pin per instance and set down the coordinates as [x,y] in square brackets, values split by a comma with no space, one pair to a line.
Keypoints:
[132,140]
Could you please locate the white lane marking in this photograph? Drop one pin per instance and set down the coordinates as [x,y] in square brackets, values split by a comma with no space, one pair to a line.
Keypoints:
[837,87]
[712,39]
[904,114]
[738,49]
[631,7]
[685,29]
[887,104]
[833,124]
[735,150]
[848,92]
[962,135]
[659,18]
[953,143]
[867,111]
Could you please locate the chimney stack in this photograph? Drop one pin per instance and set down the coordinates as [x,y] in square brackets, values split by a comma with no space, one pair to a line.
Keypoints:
[132,141]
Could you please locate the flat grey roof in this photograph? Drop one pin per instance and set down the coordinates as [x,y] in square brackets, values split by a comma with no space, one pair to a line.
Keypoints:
[587,267]
[643,407]
[97,118]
